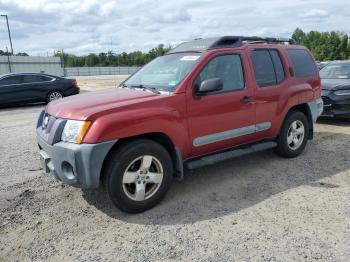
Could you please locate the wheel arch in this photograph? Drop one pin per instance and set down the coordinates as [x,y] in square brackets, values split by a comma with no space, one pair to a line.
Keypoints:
[305,109]
[157,137]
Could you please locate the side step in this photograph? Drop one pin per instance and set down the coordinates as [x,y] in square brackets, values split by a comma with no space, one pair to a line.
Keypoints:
[220,157]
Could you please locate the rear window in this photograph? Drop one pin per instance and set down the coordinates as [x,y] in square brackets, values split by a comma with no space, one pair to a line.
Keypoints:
[303,64]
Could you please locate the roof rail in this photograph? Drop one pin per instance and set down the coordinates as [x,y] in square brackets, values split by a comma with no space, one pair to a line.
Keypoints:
[200,45]
[240,40]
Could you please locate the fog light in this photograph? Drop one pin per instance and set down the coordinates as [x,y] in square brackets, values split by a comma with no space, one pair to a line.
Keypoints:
[67,170]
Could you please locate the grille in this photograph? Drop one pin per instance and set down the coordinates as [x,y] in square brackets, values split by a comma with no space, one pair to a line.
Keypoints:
[326,100]
[50,129]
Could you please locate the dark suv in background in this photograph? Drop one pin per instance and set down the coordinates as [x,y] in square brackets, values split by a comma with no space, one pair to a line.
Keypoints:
[23,88]
[335,79]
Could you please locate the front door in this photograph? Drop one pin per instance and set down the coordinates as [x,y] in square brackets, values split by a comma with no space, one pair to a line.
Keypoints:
[226,118]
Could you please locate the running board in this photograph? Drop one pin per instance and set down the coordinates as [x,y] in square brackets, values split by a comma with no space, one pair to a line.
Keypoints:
[220,157]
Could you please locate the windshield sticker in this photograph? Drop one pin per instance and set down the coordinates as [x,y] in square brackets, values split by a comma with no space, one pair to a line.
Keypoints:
[190,58]
[172,83]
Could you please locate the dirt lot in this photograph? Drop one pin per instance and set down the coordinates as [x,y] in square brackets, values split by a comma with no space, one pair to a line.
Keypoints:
[93,83]
[259,207]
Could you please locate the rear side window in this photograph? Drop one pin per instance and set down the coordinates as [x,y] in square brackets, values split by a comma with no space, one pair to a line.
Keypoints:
[277,63]
[268,67]
[11,80]
[303,64]
[35,78]
[228,68]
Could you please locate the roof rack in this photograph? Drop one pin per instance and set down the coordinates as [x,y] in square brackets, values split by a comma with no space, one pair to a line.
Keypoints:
[201,45]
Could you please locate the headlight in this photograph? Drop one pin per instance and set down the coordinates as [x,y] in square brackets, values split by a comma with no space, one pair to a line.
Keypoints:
[74,131]
[342,92]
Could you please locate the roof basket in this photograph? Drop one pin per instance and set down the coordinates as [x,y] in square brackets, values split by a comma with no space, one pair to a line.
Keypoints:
[200,45]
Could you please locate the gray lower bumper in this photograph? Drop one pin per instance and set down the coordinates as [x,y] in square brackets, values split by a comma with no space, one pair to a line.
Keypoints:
[76,165]
[316,108]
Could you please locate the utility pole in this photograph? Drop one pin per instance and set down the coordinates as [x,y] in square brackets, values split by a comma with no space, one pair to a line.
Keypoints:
[8,59]
[8,29]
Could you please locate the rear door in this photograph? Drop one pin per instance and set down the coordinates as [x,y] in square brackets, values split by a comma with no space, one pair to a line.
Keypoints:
[226,118]
[271,86]
[11,89]
[36,86]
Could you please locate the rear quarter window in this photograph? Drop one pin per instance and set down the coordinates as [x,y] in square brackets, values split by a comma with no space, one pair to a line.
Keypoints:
[303,63]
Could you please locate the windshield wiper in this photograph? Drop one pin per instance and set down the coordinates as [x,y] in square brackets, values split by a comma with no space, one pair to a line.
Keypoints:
[152,89]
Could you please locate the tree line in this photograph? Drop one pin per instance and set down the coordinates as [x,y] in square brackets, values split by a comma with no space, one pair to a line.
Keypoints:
[6,53]
[325,46]
[136,58]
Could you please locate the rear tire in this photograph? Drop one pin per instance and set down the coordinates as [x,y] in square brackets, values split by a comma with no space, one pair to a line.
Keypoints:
[293,135]
[138,175]
[54,95]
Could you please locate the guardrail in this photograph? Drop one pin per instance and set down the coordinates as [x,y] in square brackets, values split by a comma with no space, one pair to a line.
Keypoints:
[92,71]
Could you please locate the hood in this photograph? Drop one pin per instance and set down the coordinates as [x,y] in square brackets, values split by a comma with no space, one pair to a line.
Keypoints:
[335,84]
[83,106]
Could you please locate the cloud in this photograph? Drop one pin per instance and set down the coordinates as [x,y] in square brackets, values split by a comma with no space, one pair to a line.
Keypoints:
[84,26]
[315,15]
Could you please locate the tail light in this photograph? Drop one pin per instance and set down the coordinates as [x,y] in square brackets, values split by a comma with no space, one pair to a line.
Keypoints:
[74,83]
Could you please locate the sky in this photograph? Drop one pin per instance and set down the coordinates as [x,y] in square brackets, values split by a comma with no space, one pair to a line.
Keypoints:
[39,27]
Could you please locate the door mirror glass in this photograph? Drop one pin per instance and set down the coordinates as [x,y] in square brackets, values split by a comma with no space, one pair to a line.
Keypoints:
[211,85]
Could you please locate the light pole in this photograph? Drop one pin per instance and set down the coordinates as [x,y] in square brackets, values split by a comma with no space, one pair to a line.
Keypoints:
[8,29]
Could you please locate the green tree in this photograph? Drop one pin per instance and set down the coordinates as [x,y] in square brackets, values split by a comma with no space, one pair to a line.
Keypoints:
[91,60]
[324,45]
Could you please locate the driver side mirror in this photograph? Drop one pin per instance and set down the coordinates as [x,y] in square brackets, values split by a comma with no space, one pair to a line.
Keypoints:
[210,85]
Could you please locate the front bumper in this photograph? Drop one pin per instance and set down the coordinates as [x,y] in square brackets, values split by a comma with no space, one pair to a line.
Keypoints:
[78,165]
[335,105]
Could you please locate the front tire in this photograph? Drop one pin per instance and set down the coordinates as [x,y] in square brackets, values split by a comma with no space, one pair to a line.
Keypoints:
[138,175]
[293,136]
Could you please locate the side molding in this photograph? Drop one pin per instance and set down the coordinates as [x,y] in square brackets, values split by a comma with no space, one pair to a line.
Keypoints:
[229,134]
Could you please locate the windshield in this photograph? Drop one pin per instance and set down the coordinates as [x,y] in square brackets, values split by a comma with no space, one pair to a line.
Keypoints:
[336,71]
[165,72]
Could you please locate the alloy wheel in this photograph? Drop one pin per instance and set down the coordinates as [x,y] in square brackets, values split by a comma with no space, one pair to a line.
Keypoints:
[295,136]
[142,178]
[55,96]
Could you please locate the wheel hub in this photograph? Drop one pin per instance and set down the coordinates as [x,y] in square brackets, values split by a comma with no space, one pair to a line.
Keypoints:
[295,135]
[142,178]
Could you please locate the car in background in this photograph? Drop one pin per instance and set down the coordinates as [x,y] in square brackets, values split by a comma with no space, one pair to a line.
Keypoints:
[21,88]
[335,79]
[321,65]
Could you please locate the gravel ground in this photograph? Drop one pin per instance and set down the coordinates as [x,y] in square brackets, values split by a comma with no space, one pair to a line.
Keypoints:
[93,83]
[254,208]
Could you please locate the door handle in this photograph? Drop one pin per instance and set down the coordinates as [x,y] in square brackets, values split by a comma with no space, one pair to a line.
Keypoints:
[247,99]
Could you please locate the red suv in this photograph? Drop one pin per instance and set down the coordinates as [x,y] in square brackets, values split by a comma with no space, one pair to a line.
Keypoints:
[205,101]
